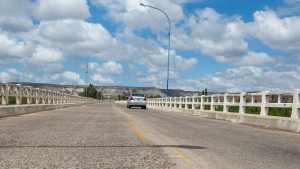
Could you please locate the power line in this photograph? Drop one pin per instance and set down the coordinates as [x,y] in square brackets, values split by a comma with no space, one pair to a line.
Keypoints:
[140,51]
[155,19]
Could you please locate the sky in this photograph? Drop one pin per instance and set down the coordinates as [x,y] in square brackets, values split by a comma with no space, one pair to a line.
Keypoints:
[221,45]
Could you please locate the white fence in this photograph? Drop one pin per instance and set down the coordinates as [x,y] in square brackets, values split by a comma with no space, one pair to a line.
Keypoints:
[41,96]
[223,100]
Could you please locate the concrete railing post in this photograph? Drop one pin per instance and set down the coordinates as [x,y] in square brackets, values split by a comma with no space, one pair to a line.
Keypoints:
[225,106]
[5,89]
[166,102]
[49,97]
[280,98]
[29,95]
[212,101]
[44,96]
[180,102]
[186,102]
[202,103]
[53,97]
[295,109]
[193,102]
[19,95]
[242,102]
[37,96]
[56,98]
[265,98]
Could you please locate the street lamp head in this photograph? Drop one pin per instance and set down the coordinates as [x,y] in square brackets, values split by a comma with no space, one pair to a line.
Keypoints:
[142,4]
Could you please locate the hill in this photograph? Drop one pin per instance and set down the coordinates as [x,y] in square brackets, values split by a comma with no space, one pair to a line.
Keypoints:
[110,90]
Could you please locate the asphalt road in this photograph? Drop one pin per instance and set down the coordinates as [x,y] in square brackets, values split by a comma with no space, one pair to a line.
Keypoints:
[209,143]
[109,135]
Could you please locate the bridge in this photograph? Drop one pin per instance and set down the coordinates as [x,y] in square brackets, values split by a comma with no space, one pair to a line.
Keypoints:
[105,134]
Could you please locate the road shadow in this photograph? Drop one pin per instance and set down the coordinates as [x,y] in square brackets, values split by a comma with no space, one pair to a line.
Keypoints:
[120,146]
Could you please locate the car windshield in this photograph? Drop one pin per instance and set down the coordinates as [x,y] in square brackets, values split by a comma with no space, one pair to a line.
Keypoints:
[138,94]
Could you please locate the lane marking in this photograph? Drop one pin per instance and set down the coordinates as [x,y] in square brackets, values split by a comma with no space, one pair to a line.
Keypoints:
[157,137]
[181,155]
[144,138]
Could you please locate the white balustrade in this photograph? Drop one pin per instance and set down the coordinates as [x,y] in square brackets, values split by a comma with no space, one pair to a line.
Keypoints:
[41,96]
[230,100]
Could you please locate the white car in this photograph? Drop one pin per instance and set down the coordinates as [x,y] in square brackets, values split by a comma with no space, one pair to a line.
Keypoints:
[137,100]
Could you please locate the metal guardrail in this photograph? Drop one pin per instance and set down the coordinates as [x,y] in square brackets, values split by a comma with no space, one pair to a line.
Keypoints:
[223,100]
[42,96]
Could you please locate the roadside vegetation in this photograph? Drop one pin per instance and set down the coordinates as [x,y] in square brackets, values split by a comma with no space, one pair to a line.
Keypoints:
[91,92]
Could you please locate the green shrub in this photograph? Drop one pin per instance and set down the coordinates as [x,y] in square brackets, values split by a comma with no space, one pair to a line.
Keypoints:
[234,109]
[219,108]
[206,107]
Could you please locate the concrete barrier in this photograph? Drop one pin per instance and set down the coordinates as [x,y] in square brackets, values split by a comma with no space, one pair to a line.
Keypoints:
[121,102]
[273,122]
[15,110]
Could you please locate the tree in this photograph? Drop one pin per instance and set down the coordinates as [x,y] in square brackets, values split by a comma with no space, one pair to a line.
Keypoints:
[134,90]
[121,97]
[91,92]
[157,96]
[205,91]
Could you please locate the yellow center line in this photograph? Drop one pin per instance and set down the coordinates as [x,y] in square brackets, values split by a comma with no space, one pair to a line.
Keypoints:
[158,138]
[181,155]
[136,130]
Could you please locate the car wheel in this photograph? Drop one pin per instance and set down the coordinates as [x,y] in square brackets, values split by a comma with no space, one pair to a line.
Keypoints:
[145,107]
[142,107]
[129,107]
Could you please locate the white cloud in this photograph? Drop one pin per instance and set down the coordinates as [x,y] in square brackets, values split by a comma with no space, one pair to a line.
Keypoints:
[291,10]
[131,66]
[159,79]
[243,79]
[15,23]
[72,77]
[44,60]
[99,79]
[13,75]
[291,1]
[130,12]
[148,79]
[57,9]
[160,61]
[218,36]
[107,69]
[47,55]
[250,59]
[278,33]
[11,50]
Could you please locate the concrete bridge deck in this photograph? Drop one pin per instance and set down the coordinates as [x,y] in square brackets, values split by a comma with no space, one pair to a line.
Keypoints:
[108,135]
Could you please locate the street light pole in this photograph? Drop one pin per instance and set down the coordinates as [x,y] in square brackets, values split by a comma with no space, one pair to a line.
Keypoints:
[87,67]
[168,46]
[129,81]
